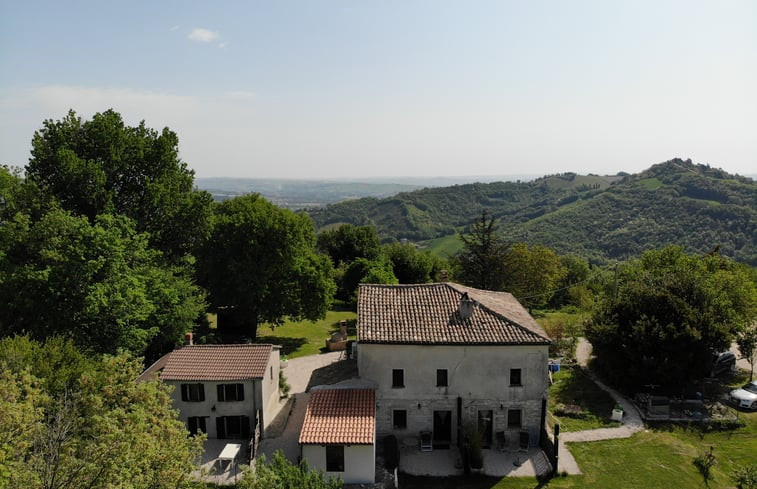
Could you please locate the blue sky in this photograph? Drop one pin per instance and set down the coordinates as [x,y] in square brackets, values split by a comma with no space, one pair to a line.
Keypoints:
[327,89]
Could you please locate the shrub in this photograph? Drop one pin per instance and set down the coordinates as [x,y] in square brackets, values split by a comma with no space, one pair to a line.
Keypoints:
[745,477]
[704,463]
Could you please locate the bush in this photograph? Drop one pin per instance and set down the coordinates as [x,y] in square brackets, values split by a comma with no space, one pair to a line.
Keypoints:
[284,386]
[745,477]
[704,463]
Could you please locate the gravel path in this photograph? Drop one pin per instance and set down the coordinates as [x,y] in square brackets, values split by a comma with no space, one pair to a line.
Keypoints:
[284,432]
[632,422]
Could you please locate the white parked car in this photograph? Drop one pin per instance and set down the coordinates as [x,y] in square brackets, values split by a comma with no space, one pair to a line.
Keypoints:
[746,397]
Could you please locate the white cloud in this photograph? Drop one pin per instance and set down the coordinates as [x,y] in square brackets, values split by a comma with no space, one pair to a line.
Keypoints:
[222,44]
[174,28]
[203,35]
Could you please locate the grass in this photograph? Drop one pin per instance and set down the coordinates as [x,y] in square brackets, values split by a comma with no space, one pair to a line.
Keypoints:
[300,338]
[656,458]
[444,247]
[650,183]
[572,387]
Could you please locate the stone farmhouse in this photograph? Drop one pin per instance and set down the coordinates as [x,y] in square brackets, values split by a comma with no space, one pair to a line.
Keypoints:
[445,356]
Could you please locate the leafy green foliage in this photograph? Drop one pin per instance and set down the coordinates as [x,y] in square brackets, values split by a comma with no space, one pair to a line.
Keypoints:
[282,474]
[532,273]
[347,243]
[103,166]
[261,261]
[97,282]
[599,218]
[671,312]
[365,271]
[410,265]
[102,430]
[747,341]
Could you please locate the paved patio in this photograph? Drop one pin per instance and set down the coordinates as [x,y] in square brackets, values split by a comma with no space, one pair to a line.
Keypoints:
[220,471]
[449,462]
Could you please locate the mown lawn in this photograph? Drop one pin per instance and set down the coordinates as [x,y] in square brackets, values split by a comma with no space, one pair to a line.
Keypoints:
[300,338]
[573,388]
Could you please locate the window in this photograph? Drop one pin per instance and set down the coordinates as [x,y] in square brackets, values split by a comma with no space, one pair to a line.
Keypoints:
[334,458]
[272,372]
[515,376]
[398,377]
[232,427]
[230,392]
[197,424]
[192,392]
[513,418]
[441,377]
[399,419]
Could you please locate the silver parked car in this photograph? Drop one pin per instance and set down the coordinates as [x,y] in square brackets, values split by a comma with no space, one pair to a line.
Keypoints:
[746,397]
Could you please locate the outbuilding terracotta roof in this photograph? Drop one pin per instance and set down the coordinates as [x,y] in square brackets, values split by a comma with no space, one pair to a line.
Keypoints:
[340,417]
[217,362]
[430,314]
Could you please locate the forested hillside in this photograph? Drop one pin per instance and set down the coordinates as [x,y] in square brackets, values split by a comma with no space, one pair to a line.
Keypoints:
[600,218]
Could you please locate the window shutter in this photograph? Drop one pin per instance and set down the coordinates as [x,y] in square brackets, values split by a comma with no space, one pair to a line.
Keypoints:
[220,428]
[202,391]
[192,422]
[184,392]
[240,392]
[220,391]
[245,420]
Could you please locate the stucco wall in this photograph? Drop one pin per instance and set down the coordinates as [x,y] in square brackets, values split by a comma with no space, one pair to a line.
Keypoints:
[206,407]
[359,462]
[269,399]
[479,375]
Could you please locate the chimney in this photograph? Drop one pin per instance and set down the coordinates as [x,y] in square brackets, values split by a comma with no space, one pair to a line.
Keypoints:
[188,338]
[466,307]
[443,275]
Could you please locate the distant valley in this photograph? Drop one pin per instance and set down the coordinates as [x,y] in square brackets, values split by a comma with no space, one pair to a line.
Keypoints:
[600,218]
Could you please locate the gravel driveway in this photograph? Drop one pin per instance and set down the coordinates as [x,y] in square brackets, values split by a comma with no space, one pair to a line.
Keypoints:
[302,373]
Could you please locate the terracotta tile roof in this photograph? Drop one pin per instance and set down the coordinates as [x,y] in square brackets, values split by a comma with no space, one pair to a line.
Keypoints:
[430,314]
[340,417]
[217,362]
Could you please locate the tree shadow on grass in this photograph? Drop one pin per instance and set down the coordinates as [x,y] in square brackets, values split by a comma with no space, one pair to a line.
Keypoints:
[288,345]
[579,389]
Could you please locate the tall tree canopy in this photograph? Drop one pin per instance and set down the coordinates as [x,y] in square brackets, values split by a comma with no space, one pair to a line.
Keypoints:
[87,423]
[261,261]
[410,265]
[672,310]
[532,273]
[98,283]
[347,243]
[481,262]
[103,166]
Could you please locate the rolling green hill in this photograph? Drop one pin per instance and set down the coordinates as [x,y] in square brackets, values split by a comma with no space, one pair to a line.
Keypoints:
[602,218]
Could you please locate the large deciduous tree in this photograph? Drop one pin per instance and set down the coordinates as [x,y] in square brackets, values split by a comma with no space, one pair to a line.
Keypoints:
[410,265]
[103,166]
[98,429]
[98,283]
[261,261]
[532,273]
[347,243]
[670,313]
